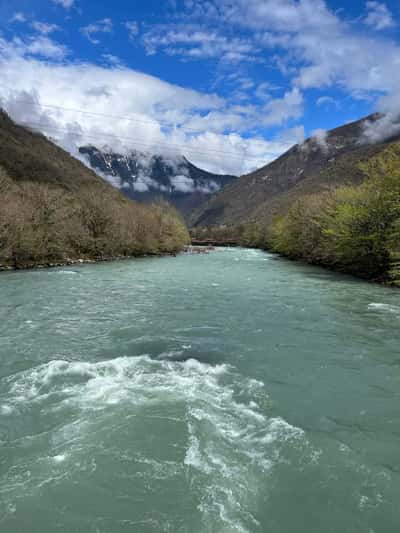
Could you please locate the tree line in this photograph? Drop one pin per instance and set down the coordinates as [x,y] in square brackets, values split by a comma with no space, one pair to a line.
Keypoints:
[42,223]
[354,229]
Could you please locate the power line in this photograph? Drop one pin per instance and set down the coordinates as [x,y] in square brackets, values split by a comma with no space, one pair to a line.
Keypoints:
[182,148]
[114,117]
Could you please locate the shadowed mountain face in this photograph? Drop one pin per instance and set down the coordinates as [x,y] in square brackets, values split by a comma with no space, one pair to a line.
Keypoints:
[327,159]
[147,177]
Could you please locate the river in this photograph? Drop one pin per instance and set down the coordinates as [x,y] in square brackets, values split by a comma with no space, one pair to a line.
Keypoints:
[234,392]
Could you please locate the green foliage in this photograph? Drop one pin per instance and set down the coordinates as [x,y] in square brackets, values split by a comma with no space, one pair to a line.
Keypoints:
[299,234]
[354,229]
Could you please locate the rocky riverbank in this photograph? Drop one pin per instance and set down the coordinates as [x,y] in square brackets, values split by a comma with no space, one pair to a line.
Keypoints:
[76,262]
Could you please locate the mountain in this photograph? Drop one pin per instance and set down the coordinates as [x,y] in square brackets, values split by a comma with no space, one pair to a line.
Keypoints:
[328,159]
[353,228]
[147,177]
[53,208]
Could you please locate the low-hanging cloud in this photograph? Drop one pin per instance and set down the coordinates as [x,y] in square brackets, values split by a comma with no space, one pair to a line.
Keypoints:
[386,124]
[320,136]
[182,183]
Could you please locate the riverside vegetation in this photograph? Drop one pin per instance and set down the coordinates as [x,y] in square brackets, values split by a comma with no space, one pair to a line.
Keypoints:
[353,228]
[53,209]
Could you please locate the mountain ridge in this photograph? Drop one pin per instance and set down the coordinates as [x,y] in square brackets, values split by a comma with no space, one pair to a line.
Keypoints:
[146,176]
[326,159]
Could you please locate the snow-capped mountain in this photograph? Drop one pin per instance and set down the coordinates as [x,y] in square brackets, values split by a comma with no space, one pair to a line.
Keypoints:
[147,177]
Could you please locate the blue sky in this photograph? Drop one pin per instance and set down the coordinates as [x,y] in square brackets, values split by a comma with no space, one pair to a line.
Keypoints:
[230,83]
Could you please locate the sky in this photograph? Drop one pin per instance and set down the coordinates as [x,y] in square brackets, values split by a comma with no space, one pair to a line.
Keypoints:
[230,84]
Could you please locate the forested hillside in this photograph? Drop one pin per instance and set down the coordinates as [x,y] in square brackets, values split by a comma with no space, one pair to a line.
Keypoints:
[322,161]
[354,229]
[53,209]
[332,201]
[351,228]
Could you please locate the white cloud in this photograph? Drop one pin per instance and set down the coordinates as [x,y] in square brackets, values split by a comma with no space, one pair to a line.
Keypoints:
[112,59]
[355,63]
[144,183]
[388,124]
[45,47]
[273,112]
[24,107]
[182,183]
[291,136]
[281,16]
[320,137]
[43,27]
[379,17]
[280,110]
[192,42]
[150,103]
[132,27]
[33,46]
[310,44]
[115,181]
[327,101]
[101,26]
[383,129]
[263,91]
[66,4]
[209,187]
[18,17]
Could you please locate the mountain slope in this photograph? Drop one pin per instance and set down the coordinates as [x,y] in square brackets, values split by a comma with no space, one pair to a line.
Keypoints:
[320,162]
[354,229]
[147,177]
[53,208]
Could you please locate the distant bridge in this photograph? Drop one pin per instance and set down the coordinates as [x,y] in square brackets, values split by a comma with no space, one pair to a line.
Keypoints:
[215,242]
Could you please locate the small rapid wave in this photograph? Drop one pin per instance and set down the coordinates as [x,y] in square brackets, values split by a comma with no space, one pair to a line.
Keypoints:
[232,444]
[386,308]
[250,255]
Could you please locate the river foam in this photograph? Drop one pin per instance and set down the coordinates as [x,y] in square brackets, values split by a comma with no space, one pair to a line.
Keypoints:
[232,443]
[384,308]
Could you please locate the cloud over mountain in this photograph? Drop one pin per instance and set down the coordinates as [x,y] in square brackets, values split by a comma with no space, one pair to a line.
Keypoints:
[149,113]
[241,74]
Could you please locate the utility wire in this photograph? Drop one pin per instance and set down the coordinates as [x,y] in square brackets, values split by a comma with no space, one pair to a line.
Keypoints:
[114,117]
[182,148]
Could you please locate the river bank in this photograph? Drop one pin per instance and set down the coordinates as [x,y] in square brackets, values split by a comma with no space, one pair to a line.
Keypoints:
[384,281]
[81,261]
[188,249]
[234,238]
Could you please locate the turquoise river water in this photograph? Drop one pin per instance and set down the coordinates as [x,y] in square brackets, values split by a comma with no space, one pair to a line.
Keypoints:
[233,392]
